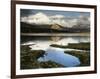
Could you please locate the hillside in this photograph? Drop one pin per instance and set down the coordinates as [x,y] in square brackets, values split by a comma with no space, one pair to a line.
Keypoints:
[53,28]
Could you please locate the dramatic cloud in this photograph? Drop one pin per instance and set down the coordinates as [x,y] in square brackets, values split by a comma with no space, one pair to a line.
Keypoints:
[38,18]
[41,18]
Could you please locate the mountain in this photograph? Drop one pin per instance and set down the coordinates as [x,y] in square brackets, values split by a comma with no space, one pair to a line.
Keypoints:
[41,22]
[45,28]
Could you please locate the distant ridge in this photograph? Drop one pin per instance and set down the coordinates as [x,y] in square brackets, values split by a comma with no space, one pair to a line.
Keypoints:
[53,28]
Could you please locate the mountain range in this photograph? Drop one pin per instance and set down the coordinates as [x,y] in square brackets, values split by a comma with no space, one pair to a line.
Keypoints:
[53,28]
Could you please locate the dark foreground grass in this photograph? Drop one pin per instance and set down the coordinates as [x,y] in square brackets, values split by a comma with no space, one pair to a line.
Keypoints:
[29,59]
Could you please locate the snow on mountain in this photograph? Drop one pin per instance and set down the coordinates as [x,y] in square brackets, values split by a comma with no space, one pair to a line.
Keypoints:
[41,18]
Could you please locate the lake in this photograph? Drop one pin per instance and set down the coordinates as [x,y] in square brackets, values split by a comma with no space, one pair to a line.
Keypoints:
[53,53]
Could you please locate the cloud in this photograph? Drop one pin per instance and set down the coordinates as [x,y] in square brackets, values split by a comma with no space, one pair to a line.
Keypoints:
[38,18]
[84,21]
[57,16]
[41,18]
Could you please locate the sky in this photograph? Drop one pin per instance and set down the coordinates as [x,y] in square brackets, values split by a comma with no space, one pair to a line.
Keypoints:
[64,18]
[27,12]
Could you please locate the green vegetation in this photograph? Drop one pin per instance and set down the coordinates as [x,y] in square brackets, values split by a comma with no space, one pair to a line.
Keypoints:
[84,57]
[29,59]
[80,46]
[59,46]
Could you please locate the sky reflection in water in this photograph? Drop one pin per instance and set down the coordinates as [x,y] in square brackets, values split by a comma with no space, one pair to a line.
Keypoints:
[57,54]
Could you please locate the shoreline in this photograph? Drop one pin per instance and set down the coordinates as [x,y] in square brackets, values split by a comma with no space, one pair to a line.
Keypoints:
[55,34]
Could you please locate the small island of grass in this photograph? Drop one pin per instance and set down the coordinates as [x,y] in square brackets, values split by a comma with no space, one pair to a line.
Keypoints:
[80,46]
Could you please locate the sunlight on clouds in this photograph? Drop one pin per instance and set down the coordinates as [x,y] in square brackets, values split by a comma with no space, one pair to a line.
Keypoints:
[42,18]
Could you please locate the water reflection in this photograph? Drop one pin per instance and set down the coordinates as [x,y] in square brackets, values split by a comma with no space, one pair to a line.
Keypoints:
[55,54]
[56,38]
[43,42]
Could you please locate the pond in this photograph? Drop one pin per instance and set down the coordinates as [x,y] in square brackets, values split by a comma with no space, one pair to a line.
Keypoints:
[57,55]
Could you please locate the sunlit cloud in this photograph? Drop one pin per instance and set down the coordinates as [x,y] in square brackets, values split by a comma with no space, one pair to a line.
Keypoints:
[42,18]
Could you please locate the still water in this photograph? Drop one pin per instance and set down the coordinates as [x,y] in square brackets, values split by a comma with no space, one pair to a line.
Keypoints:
[55,54]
